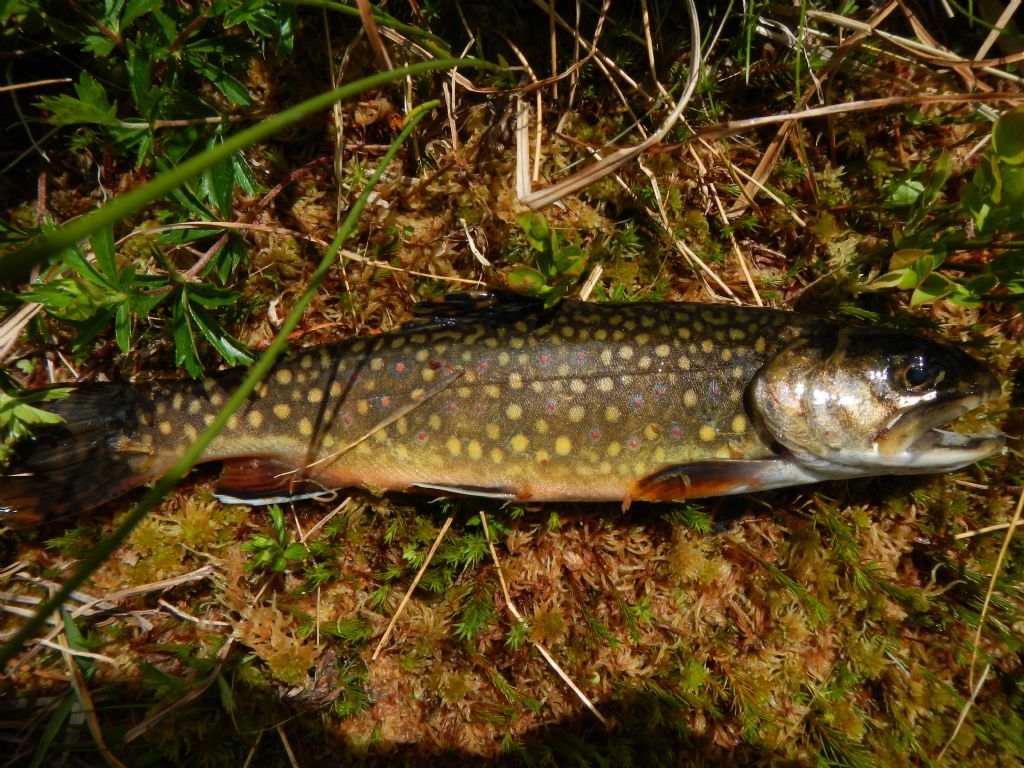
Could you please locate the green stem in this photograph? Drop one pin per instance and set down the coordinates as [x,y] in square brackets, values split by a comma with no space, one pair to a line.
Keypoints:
[105,548]
[18,263]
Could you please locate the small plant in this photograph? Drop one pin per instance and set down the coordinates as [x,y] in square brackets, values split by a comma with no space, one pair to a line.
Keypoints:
[19,414]
[558,266]
[991,204]
[274,552]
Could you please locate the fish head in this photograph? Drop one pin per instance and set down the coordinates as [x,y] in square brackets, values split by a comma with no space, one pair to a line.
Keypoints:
[847,401]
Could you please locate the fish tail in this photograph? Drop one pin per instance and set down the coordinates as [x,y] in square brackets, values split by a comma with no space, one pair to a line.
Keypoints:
[98,451]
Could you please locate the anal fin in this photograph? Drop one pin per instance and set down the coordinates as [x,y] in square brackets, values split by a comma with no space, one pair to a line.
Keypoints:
[719,477]
[259,481]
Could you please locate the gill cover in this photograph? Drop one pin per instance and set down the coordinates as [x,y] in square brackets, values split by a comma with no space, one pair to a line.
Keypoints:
[847,401]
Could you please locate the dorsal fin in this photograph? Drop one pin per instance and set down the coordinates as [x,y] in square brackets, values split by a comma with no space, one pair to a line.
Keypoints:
[491,305]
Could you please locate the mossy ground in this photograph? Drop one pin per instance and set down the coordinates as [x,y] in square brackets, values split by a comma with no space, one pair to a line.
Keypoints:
[832,625]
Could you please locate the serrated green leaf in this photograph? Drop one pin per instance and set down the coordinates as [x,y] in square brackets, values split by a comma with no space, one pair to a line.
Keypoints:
[91,106]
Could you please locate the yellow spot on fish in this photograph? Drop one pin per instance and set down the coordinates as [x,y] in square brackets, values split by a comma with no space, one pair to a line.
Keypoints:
[233,421]
[541,427]
[601,334]
[739,424]
[255,419]
[362,407]
[336,389]
[165,428]
[434,422]
[707,345]
[454,446]
[707,433]
[563,445]
[474,450]
[651,432]
[493,431]
[644,363]
[519,443]
[689,398]
[315,395]
[537,386]
[641,338]
[737,334]
[492,390]
[612,413]
[305,427]
[606,356]
[605,384]
[659,454]
[191,432]
[463,392]
[428,375]
[402,425]
[726,355]
[376,364]
[194,407]
[683,333]
[306,362]
[760,344]
[662,350]
[576,414]
[514,411]
[568,331]
[422,355]
[161,408]
[329,441]
[516,342]
[578,386]
[515,381]
[283,376]
[177,402]
[207,419]
[684,363]
[282,410]
[497,456]
[418,393]
[398,342]
[614,449]
[504,358]
[542,457]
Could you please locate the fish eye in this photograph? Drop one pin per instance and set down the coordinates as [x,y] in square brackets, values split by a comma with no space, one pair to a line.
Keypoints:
[919,373]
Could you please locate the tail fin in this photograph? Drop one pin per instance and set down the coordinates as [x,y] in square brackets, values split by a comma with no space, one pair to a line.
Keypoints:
[95,454]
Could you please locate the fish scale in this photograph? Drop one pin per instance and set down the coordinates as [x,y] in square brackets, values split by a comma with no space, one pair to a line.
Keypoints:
[579,402]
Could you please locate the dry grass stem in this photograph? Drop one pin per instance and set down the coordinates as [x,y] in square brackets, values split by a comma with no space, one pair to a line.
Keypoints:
[88,710]
[408,593]
[511,606]
[1011,529]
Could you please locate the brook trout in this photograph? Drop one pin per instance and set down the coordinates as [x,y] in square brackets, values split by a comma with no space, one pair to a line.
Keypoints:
[505,399]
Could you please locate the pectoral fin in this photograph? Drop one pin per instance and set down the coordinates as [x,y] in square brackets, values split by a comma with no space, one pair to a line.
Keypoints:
[722,477]
[262,481]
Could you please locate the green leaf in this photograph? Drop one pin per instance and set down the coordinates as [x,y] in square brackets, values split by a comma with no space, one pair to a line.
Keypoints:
[1008,137]
[226,345]
[103,249]
[91,106]
[904,193]
[185,353]
[527,280]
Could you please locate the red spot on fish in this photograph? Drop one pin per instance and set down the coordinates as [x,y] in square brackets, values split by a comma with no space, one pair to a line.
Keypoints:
[676,432]
[595,435]
[714,390]
[482,365]
[421,437]
[478,409]
[633,444]
[434,365]
[354,378]
[581,356]
[400,368]
[552,405]
[346,420]
[637,401]
[451,408]
[385,401]
[660,390]
[543,358]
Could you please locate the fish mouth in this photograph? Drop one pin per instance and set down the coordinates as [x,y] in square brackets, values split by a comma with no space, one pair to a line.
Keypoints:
[926,447]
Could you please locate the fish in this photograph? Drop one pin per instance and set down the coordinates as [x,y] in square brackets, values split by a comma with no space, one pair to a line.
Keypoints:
[501,397]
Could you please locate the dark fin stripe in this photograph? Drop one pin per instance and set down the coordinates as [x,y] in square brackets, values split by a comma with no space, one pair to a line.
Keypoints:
[706,478]
[90,458]
[257,481]
[492,305]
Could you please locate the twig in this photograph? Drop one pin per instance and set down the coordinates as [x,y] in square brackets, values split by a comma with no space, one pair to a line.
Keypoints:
[408,592]
[540,648]
[607,165]
[992,586]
